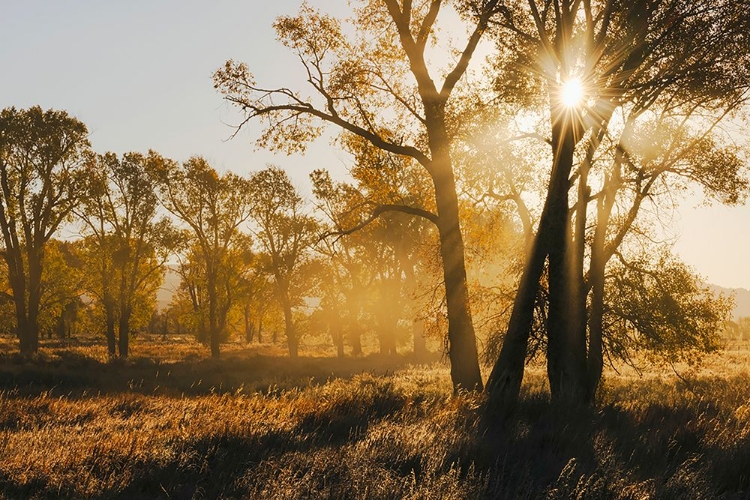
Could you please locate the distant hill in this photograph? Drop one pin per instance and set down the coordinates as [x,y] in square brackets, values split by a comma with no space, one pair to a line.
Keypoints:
[741,299]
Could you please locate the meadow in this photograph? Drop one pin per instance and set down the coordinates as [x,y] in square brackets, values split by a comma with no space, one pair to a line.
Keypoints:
[172,423]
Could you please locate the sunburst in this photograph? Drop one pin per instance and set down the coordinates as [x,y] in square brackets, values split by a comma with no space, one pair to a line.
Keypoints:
[572,93]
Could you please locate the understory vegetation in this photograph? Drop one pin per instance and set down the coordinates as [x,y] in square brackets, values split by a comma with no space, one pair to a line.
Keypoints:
[177,424]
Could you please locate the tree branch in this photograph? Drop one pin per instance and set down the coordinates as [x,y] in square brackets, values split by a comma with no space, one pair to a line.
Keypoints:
[380,210]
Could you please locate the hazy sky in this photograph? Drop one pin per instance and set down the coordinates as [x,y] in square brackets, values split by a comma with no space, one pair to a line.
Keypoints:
[138,73]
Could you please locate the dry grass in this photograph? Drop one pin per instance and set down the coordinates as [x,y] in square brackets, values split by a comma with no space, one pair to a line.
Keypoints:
[171,423]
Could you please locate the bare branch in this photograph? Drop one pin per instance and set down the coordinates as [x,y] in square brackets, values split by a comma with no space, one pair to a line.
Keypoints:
[377,212]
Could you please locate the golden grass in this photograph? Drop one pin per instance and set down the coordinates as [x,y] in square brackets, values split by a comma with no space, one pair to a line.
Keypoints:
[171,423]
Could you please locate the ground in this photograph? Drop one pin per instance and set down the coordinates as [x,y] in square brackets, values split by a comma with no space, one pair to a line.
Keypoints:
[172,423]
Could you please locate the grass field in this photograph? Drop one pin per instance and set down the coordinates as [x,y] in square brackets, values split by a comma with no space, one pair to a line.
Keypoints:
[171,423]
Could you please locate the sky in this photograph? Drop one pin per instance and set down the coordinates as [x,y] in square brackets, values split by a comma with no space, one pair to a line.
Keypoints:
[138,73]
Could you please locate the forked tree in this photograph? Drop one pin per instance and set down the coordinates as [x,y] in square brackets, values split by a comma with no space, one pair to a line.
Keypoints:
[286,234]
[127,246]
[625,61]
[213,207]
[378,85]
[41,159]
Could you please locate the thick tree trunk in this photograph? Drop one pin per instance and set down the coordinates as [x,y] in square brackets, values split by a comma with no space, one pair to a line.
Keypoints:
[566,340]
[566,345]
[462,342]
[18,284]
[27,306]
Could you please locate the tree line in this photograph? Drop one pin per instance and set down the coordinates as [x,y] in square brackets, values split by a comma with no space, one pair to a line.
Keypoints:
[246,248]
[493,200]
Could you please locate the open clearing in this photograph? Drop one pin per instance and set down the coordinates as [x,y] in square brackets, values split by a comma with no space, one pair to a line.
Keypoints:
[172,423]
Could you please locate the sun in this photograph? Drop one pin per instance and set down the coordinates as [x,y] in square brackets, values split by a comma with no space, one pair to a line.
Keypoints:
[571,94]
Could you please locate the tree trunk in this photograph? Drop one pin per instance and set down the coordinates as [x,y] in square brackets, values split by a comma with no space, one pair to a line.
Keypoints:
[110,333]
[417,327]
[462,342]
[355,331]
[387,324]
[355,338]
[213,329]
[504,383]
[566,339]
[27,314]
[289,329]
[566,345]
[123,341]
[18,284]
[249,326]
[388,312]
[595,362]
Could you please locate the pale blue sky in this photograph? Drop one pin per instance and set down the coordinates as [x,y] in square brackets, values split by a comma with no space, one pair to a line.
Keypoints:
[138,73]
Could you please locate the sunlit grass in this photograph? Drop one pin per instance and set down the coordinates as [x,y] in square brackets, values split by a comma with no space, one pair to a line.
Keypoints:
[254,425]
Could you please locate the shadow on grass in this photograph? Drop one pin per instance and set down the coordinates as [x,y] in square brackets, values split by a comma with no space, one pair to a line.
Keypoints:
[645,450]
[71,373]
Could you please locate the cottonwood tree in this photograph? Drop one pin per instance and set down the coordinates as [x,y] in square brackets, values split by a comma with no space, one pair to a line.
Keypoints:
[61,288]
[127,245]
[41,159]
[656,158]
[213,207]
[379,86]
[286,235]
[624,62]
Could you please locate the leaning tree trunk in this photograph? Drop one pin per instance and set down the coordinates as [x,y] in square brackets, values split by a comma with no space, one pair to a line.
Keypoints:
[504,383]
